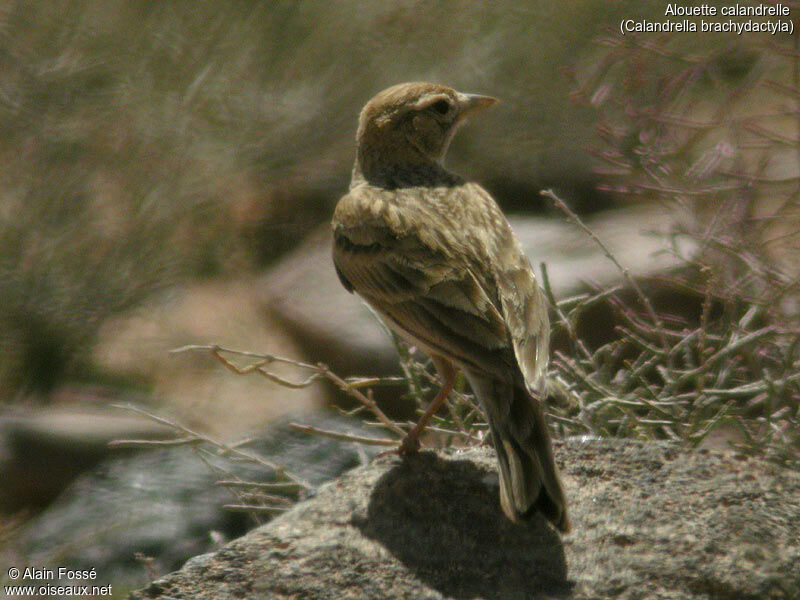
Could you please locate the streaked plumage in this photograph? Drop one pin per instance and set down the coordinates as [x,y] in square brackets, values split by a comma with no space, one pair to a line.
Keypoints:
[436,258]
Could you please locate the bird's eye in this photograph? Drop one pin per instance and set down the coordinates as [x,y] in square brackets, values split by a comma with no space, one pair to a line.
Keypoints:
[441,107]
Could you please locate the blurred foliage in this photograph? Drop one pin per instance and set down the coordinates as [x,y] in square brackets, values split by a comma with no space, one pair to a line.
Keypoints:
[145,142]
[713,132]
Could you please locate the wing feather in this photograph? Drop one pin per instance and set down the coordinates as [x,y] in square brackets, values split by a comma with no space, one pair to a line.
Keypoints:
[525,310]
[473,300]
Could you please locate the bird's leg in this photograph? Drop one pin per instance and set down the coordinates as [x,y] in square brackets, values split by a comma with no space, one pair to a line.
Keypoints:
[447,373]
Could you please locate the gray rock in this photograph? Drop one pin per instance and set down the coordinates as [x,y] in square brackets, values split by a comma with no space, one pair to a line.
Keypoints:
[43,450]
[164,505]
[650,521]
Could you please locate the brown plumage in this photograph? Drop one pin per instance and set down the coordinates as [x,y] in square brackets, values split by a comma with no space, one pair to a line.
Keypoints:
[436,258]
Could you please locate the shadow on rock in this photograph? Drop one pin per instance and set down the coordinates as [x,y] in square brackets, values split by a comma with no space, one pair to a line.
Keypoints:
[441,518]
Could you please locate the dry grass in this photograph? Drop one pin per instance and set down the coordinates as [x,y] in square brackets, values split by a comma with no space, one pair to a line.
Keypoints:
[660,378]
[712,131]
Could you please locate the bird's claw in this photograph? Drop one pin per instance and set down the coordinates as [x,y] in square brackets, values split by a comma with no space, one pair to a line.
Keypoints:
[409,445]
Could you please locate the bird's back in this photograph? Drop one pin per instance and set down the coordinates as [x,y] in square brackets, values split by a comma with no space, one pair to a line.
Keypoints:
[446,232]
[461,222]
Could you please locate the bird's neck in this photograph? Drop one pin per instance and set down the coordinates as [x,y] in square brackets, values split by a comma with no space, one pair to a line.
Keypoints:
[398,167]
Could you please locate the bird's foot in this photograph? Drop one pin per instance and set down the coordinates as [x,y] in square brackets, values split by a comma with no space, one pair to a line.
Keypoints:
[409,445]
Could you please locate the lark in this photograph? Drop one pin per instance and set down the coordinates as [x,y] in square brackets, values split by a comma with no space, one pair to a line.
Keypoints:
[436,258]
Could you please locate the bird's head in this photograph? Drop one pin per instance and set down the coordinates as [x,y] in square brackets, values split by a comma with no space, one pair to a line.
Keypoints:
[409,127]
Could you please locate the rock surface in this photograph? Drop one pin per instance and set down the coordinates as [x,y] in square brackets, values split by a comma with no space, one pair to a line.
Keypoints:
[650,521]
[163,504]
[43,450]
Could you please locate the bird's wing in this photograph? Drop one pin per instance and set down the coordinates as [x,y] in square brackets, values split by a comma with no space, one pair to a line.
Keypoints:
[421,287]
[521,301]
[524,307]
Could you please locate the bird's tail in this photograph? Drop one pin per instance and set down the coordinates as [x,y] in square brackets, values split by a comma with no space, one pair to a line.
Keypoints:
[529,479]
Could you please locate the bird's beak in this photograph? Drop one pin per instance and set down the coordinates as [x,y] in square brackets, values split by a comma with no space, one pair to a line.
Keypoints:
[472,104]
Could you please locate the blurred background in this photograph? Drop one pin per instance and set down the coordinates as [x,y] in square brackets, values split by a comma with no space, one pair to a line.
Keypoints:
[168,170]
[160,158]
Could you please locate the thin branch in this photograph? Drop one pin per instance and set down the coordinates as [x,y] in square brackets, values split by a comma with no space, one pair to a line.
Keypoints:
[224,448]
[183,441]
[255,508]
[319,371]
[285,487]
[345,437]
[625,272]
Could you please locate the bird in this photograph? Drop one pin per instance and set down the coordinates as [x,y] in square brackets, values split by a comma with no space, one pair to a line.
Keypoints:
[435,257]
